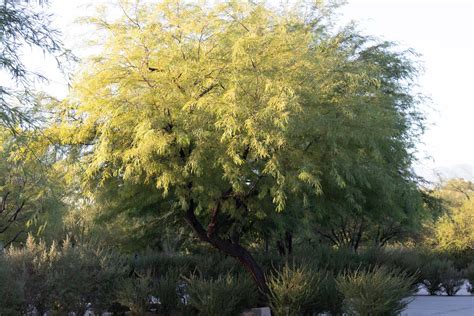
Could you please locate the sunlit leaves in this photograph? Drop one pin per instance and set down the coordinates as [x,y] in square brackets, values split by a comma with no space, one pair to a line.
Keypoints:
[197,100]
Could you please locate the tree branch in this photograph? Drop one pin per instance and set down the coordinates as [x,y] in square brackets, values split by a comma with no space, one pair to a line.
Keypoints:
[212,227]
[14,238]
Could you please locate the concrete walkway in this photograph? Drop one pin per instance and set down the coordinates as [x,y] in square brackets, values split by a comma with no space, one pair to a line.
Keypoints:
[440,305]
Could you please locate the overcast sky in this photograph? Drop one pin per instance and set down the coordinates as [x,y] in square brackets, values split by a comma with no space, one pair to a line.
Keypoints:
[442,31]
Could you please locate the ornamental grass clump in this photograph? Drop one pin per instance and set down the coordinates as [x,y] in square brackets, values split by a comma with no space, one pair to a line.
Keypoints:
[377,291]
[226,295]
[294,290]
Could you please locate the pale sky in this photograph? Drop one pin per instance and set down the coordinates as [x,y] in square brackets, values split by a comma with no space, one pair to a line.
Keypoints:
[442,31]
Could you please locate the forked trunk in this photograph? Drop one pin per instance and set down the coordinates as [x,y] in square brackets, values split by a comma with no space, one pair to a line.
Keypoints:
[230,248]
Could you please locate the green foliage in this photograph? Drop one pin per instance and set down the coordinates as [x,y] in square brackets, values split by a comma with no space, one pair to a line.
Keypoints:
[454,192]
[212,266]
[270,261]
[293,290]
[160,263]
[167,292]
[31,189]
[22,27]
[136,292]
[378,291]
[433,273]
[62,278]
[454,230]
[11,290]
[225,114]
[378,219]
[83,274]
[227,295]
[329,297]
[32,266]
[410,260]
[209,265]
[452,280]
[469,274]
[329,258]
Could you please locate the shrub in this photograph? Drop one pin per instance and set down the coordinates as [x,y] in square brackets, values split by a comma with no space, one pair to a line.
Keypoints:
[335,260]
[216,264]
[410,260]
[210,265]
[31,266]
[461,259]
[378,291]
[451,281]
[432,275]
[11,290]
[406,259]
[469,274]
[84,274]
[166,290]
[160,263]
[293,290]
[330,298]
[269,261]
[224,296]
[135,292]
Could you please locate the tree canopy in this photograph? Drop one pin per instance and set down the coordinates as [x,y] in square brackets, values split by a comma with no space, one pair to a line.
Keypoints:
[23,27]
[453,230]
[224,115]
[27,181]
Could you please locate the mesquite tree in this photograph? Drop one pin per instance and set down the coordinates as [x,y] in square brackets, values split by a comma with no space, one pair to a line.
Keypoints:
[224,114]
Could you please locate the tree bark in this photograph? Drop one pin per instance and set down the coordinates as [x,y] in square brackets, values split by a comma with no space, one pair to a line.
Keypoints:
[285,245]
[289,242]
[228,247]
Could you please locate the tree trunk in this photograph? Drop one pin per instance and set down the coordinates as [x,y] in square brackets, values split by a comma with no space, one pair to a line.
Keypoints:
[289,242]
[285,245]
[228,247]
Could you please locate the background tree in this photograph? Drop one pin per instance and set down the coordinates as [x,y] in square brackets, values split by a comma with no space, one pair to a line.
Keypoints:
[31,188]
[22,27]
[454,230]
[27,180]
[223,115]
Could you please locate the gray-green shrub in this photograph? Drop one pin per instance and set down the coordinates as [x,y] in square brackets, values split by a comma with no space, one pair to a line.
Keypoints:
[377,291]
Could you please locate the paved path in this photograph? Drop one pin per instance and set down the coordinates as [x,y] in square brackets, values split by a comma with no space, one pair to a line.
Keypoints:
[440,305]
